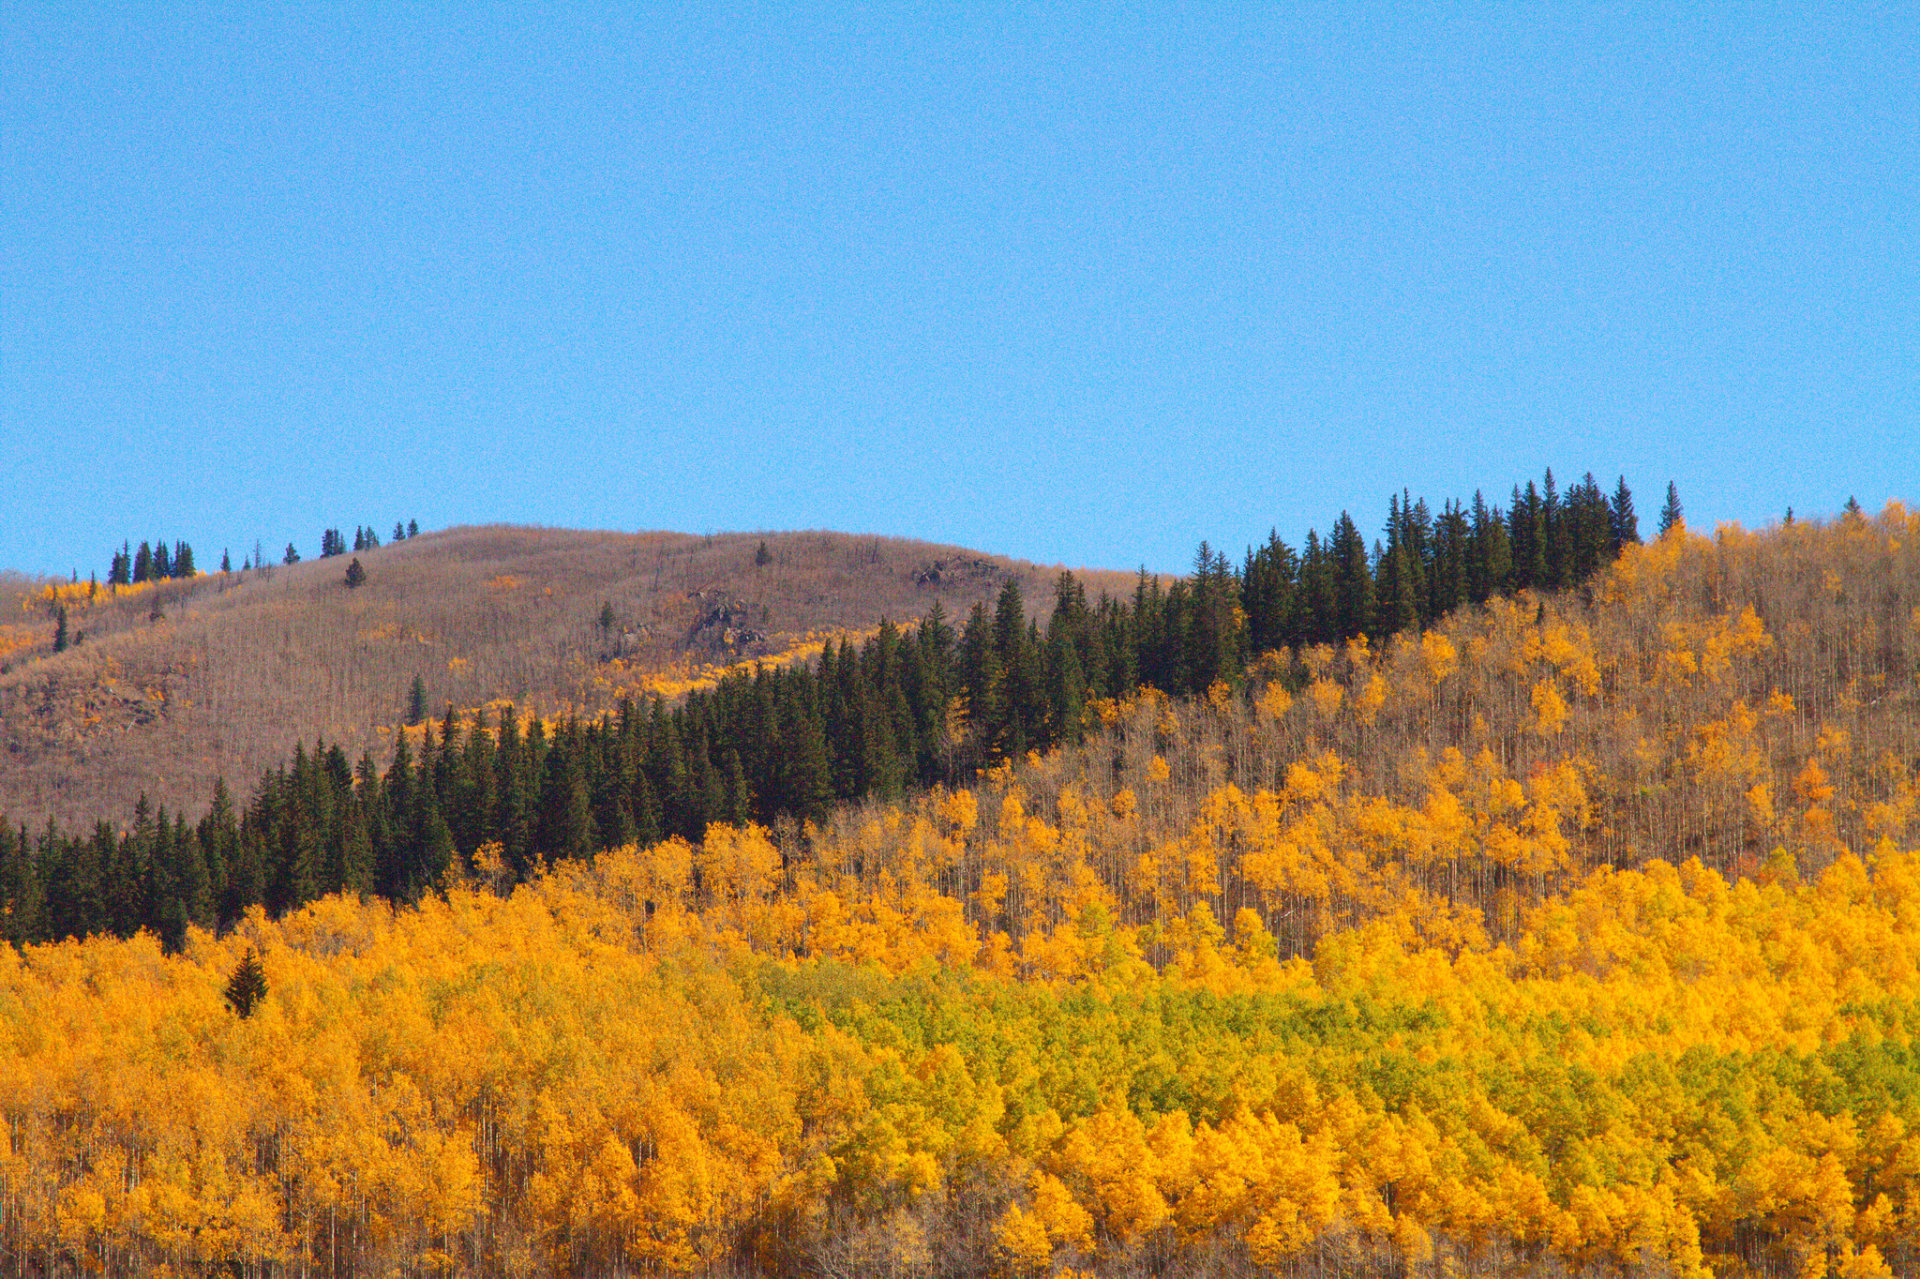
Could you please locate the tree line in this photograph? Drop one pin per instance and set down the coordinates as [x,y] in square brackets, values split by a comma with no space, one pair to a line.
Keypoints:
[333,542]
[787,743]
[153,562]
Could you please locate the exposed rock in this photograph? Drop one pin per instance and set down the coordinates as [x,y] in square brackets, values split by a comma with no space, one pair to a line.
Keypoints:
[958,572]
[725,627]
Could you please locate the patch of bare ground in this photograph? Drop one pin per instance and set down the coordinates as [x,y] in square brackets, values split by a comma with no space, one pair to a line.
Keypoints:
[173,685]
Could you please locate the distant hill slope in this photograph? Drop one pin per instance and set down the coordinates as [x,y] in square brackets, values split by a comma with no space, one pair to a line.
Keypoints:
[177,684]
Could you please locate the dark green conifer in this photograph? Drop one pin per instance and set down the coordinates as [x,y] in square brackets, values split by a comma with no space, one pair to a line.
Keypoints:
[1671,516]
[248,985]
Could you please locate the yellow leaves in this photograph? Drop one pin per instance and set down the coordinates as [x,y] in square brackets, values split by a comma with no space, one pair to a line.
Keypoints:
[1325,696]
[1812,785]
[1549,708]
[1158,770]
[1372,696]
[1275,701]
[1439,655]
[1021,1237]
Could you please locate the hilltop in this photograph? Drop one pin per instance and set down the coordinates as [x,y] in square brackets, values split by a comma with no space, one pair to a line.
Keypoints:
[175,684]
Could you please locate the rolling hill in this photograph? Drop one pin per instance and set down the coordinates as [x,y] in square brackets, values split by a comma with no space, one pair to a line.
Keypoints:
[175,684]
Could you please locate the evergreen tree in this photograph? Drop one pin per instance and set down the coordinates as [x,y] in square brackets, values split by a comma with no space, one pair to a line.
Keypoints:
[762,557]
[143,563]
[226,561]
[416,695]
[355,576]
[60,630]
[1352,579]
[292,556]
[248,985]
[413,528]
[1625,524]
[565,828]
[1671,516]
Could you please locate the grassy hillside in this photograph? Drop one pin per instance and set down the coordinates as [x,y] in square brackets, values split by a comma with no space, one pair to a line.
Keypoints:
[178,683]
[1580,935]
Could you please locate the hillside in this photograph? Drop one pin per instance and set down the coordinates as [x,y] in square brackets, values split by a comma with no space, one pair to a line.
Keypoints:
[178,683]
[1577,935]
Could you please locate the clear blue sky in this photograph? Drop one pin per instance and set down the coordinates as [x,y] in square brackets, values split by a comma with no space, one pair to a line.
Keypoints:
[1045,280]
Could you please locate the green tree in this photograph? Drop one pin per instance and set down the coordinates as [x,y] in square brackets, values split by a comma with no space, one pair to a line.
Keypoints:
[1671,516]
[416,699]
[248,985]
[355,576]
[60,631]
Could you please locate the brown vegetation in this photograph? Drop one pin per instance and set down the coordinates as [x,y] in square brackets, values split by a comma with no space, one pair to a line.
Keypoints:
[178,683]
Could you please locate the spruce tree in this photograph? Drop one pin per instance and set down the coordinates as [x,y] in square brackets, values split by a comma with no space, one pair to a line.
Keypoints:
[1625,524]
[1671,516]
[60,630]
[416,698]
[355,576]
[248,985]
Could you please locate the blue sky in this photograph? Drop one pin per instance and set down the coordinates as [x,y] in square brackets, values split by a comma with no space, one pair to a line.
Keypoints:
[1058,282]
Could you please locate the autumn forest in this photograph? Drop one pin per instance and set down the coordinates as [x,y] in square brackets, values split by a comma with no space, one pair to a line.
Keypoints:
[1513,893]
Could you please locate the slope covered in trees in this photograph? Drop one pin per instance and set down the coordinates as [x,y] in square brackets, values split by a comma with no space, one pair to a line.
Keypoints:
[780,744]
[1578,934]
[172,683]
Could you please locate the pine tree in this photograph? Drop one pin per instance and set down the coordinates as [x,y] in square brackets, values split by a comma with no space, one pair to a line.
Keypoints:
[292,556]
[763,556]
[60,630]
[399,532]
[416,698]
[226,561]
[1671,516]
[355,576]
[413,528]
[1353,581]
[1625,524]
[248,985]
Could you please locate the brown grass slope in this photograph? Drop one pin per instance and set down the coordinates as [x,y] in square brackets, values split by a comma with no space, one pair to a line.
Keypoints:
[177,684]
